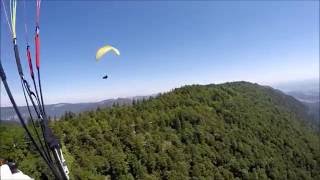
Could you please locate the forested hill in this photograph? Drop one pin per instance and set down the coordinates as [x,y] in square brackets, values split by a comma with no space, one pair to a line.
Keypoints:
[226,131]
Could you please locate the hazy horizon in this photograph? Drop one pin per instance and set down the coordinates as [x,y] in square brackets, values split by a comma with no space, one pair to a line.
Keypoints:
[288,86]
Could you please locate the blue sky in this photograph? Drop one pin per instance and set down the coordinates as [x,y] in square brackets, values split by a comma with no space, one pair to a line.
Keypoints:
[164,45]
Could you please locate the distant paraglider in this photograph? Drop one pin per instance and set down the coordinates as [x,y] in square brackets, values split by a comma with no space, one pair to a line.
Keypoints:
[104,50]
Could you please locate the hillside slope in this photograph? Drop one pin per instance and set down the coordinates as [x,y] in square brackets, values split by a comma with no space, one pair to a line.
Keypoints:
[226,131]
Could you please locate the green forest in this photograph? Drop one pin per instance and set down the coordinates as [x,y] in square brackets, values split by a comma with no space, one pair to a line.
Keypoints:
[233,130]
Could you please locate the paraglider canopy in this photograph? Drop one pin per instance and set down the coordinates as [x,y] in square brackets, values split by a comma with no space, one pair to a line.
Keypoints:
[104,50]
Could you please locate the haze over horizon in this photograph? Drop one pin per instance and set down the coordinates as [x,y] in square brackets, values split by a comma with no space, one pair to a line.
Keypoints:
[164,45]
[308,86]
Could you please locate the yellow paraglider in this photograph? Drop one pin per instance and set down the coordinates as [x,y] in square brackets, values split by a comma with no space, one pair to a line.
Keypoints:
[104,50]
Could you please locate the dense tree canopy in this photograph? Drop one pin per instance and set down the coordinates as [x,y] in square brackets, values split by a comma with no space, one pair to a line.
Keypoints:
[228,131]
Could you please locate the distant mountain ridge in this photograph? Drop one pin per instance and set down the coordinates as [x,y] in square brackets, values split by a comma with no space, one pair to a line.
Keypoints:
[311,100]
[57,110]
[308,96]
[308,93]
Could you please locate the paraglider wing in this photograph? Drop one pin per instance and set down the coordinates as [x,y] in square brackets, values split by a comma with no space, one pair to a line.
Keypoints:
[104,50]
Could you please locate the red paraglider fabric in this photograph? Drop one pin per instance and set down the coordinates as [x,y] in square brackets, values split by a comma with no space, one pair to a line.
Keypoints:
[37,51]
[30,62]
